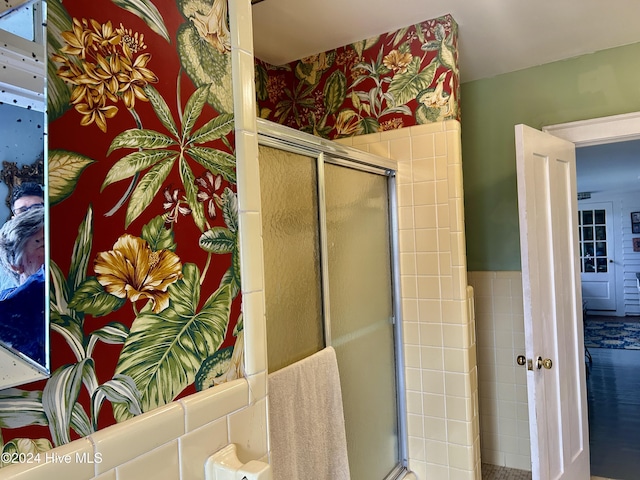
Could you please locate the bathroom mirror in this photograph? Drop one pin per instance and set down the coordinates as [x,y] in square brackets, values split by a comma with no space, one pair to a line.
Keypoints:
[24,313]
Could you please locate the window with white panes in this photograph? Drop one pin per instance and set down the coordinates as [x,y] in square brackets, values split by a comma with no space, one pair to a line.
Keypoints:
[592,230]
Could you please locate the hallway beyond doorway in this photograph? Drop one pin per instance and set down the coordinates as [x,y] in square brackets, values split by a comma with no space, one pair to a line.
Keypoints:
[613,393]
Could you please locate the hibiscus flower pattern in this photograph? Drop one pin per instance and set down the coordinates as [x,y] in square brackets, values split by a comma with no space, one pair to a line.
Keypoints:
[133,271]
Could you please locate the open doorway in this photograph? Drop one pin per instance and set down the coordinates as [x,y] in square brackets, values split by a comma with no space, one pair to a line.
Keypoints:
[608,178]
[608,171]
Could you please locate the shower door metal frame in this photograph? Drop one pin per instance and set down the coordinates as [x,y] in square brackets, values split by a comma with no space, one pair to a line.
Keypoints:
[325,151]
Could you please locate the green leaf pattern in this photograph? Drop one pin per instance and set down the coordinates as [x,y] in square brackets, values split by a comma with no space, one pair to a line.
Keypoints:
[164,351]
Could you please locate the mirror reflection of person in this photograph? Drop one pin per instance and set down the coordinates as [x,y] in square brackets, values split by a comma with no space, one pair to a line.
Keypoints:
[22,255]
[25,196]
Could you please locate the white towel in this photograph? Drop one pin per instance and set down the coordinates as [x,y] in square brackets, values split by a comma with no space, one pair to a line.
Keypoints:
[306,420]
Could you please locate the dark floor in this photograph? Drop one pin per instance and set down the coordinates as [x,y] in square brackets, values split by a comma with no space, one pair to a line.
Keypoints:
[613,391]
[612,318]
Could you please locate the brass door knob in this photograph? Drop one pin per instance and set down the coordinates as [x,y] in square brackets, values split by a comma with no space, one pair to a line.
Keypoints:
[546,363]
[521,360]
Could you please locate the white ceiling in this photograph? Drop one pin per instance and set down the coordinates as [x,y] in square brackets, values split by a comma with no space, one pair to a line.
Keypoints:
[495,36]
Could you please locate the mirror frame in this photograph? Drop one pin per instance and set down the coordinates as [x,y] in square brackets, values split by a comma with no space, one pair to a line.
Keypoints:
[24,63]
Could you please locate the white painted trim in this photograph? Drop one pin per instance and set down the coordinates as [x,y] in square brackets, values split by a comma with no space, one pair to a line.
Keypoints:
[597,131]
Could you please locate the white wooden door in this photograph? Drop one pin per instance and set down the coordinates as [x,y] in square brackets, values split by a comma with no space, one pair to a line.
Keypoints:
[595,228]
[556,382]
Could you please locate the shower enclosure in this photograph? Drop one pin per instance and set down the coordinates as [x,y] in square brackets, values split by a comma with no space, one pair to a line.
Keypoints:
[330,253]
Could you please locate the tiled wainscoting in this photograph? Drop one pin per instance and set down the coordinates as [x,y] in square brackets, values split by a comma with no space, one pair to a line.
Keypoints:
[502,383]
[168,443]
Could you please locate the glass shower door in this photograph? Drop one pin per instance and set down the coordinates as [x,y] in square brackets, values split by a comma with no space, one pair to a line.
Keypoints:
[361,316]
[291,243]
[328,278]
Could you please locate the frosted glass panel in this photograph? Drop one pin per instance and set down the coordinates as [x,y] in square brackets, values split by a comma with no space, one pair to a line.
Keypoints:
[361,310]
[288,185]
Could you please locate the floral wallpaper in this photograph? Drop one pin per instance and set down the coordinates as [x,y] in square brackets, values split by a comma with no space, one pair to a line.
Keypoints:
[144,268]
[400,79]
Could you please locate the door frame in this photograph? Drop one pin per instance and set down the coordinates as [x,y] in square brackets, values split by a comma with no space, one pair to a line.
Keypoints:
[600,131]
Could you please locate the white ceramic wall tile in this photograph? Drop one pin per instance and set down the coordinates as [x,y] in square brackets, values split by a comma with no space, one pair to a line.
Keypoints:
[432,470]
[412,356]
[435,429]
[161,463]
[416,448]
[426,240]
[75,460]
[456,384]
[240,19]
[255,350]
[110,475]
[425,216]
[125,441]
[424,170]
[433,381]
[198,445]
[431,358]
[434,404]
[390,135]
[502,384]
[415,425]
[413,378]
[426,128]
[381,149]
[244,99]
[209,405]
[365,139]
[414,403]
[458,432]
[257,386]
[424,193]
[247,172]
[248,430]
[440,146]
[251,261]
[436,452]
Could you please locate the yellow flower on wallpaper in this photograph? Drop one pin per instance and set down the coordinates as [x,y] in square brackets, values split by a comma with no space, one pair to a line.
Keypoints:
[213,26]
[396,61]
[347,123]
[310,68]
[95,110]
[103,65]
[132,270]
[132,77]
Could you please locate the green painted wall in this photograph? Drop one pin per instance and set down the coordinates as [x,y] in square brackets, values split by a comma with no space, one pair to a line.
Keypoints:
[595,85]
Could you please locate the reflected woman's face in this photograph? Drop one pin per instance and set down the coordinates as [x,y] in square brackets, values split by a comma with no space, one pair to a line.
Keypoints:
[33,254]
[24,203]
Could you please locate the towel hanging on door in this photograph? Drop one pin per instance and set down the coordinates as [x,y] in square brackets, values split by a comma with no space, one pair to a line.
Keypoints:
[306,420]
